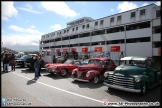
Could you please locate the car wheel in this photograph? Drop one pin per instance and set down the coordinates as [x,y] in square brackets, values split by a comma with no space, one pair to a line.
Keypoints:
[63,72]
[143,89]
[96,79]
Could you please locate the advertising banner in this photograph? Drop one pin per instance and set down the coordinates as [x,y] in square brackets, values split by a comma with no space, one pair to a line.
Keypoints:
[73,49]
[84,49]
[64,50]
[115,48]
[98,49]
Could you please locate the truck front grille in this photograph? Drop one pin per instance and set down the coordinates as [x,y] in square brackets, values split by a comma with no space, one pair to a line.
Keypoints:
[126,82]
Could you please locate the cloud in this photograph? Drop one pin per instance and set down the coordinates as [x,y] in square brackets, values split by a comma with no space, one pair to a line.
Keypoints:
[56,27]
[60,8]
[125,6]
[28,30]
[145,4]
[29,9]
[112,10]
[158,3]
[8,10]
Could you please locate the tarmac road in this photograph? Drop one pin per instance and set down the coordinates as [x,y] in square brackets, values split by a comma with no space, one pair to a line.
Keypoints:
[54,90]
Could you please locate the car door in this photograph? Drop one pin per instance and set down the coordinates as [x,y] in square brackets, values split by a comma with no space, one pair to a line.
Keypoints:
[150,72]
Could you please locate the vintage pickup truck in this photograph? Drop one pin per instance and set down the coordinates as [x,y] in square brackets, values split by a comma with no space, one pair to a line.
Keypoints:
[94,70]
[135,74]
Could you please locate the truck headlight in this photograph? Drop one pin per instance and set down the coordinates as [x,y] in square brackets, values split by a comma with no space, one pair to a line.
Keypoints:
[73,71]
[106,74]
[137,79]
[87,74]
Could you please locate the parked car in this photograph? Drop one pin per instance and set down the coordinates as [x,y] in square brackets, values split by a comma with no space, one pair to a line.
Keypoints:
[60,59]
[94,70]
[29,61]
[63,69]
[135,74]
[85,61]
[21,61]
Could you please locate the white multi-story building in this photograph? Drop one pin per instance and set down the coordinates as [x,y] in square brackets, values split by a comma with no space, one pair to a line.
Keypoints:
[135,32]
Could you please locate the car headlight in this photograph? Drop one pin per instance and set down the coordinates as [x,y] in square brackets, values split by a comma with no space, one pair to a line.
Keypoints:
[87,74]
[137,79]
[106,74]
[73,71]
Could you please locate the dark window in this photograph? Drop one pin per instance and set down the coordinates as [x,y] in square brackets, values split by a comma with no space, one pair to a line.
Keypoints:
[115,42]
[65,38]
[138,26]
[84,44]
[83,26]
[87,25]
[74,37]
[101,22]
[67,30]
[65,45]
[119,18]
[98,43]
[133,14]
[73,45]
[76,28]
[84,35]
[142,12]
[112,20]
[58,39]
[64,31]
[158,13]
[59,46]
[96,23]
[136,40]
[73,29]
[99,32]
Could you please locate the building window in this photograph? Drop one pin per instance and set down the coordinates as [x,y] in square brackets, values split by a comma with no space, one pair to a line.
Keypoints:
[57,33]
[142,12]
[112,20]
[119,18]
[96,23]
[76,28]
[87,25]
[60,32]
[158,13]
[132,14]
[83,26]
[64,31]
[101,22]
[73,29]
[67,30]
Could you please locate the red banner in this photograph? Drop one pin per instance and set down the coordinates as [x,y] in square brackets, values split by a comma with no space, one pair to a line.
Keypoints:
[159,51]
[57,50]
[115,48]
[98,49]
[73,49]
[64,50]
[84,49]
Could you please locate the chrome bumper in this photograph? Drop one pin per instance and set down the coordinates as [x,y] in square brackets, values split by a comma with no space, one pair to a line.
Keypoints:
[122,88]
[80,79]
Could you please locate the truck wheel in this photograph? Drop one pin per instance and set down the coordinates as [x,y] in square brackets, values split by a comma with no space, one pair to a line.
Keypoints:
[96,79]
[143,89]
[63,72]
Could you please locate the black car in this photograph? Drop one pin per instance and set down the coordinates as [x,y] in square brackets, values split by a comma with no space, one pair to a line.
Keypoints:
[21,61]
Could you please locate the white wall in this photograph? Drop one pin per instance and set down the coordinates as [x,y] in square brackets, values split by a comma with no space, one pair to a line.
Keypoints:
[156,37]
[139,49]
[157,22]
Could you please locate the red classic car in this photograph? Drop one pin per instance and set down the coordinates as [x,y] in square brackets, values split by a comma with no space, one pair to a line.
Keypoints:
[94,70]
[63,69]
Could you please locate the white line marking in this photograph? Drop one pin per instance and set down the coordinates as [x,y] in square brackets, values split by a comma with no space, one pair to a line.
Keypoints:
[62,89]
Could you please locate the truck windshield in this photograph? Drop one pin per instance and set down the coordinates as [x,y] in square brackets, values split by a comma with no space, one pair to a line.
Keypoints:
[140,63]
[99,62]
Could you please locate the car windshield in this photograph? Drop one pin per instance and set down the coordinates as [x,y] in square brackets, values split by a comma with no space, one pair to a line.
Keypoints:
[99,62]
[140,63]
[86,60]
[24,57]
[69,62]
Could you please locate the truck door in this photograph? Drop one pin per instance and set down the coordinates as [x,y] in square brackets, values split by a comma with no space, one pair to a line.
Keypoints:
[150,72]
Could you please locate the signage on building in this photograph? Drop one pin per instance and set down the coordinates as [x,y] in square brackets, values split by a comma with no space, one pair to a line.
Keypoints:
[98,49]
[73,49]
[159,51]
[84,49]
[115,48]
[57,50]
[64,50]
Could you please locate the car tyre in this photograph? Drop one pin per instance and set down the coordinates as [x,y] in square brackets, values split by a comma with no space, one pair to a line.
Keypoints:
[63,72]
[143,89]
[96,79]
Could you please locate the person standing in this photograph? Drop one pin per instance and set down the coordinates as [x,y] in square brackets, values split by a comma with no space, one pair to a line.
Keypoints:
[121,56]
[41,63]
[36,67]
[12,62]
[54,59]
[6,62]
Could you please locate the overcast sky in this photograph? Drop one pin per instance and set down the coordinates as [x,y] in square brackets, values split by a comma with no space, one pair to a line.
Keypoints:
[23,23]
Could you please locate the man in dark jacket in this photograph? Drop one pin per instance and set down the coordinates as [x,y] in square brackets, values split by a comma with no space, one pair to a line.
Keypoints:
[41,63]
